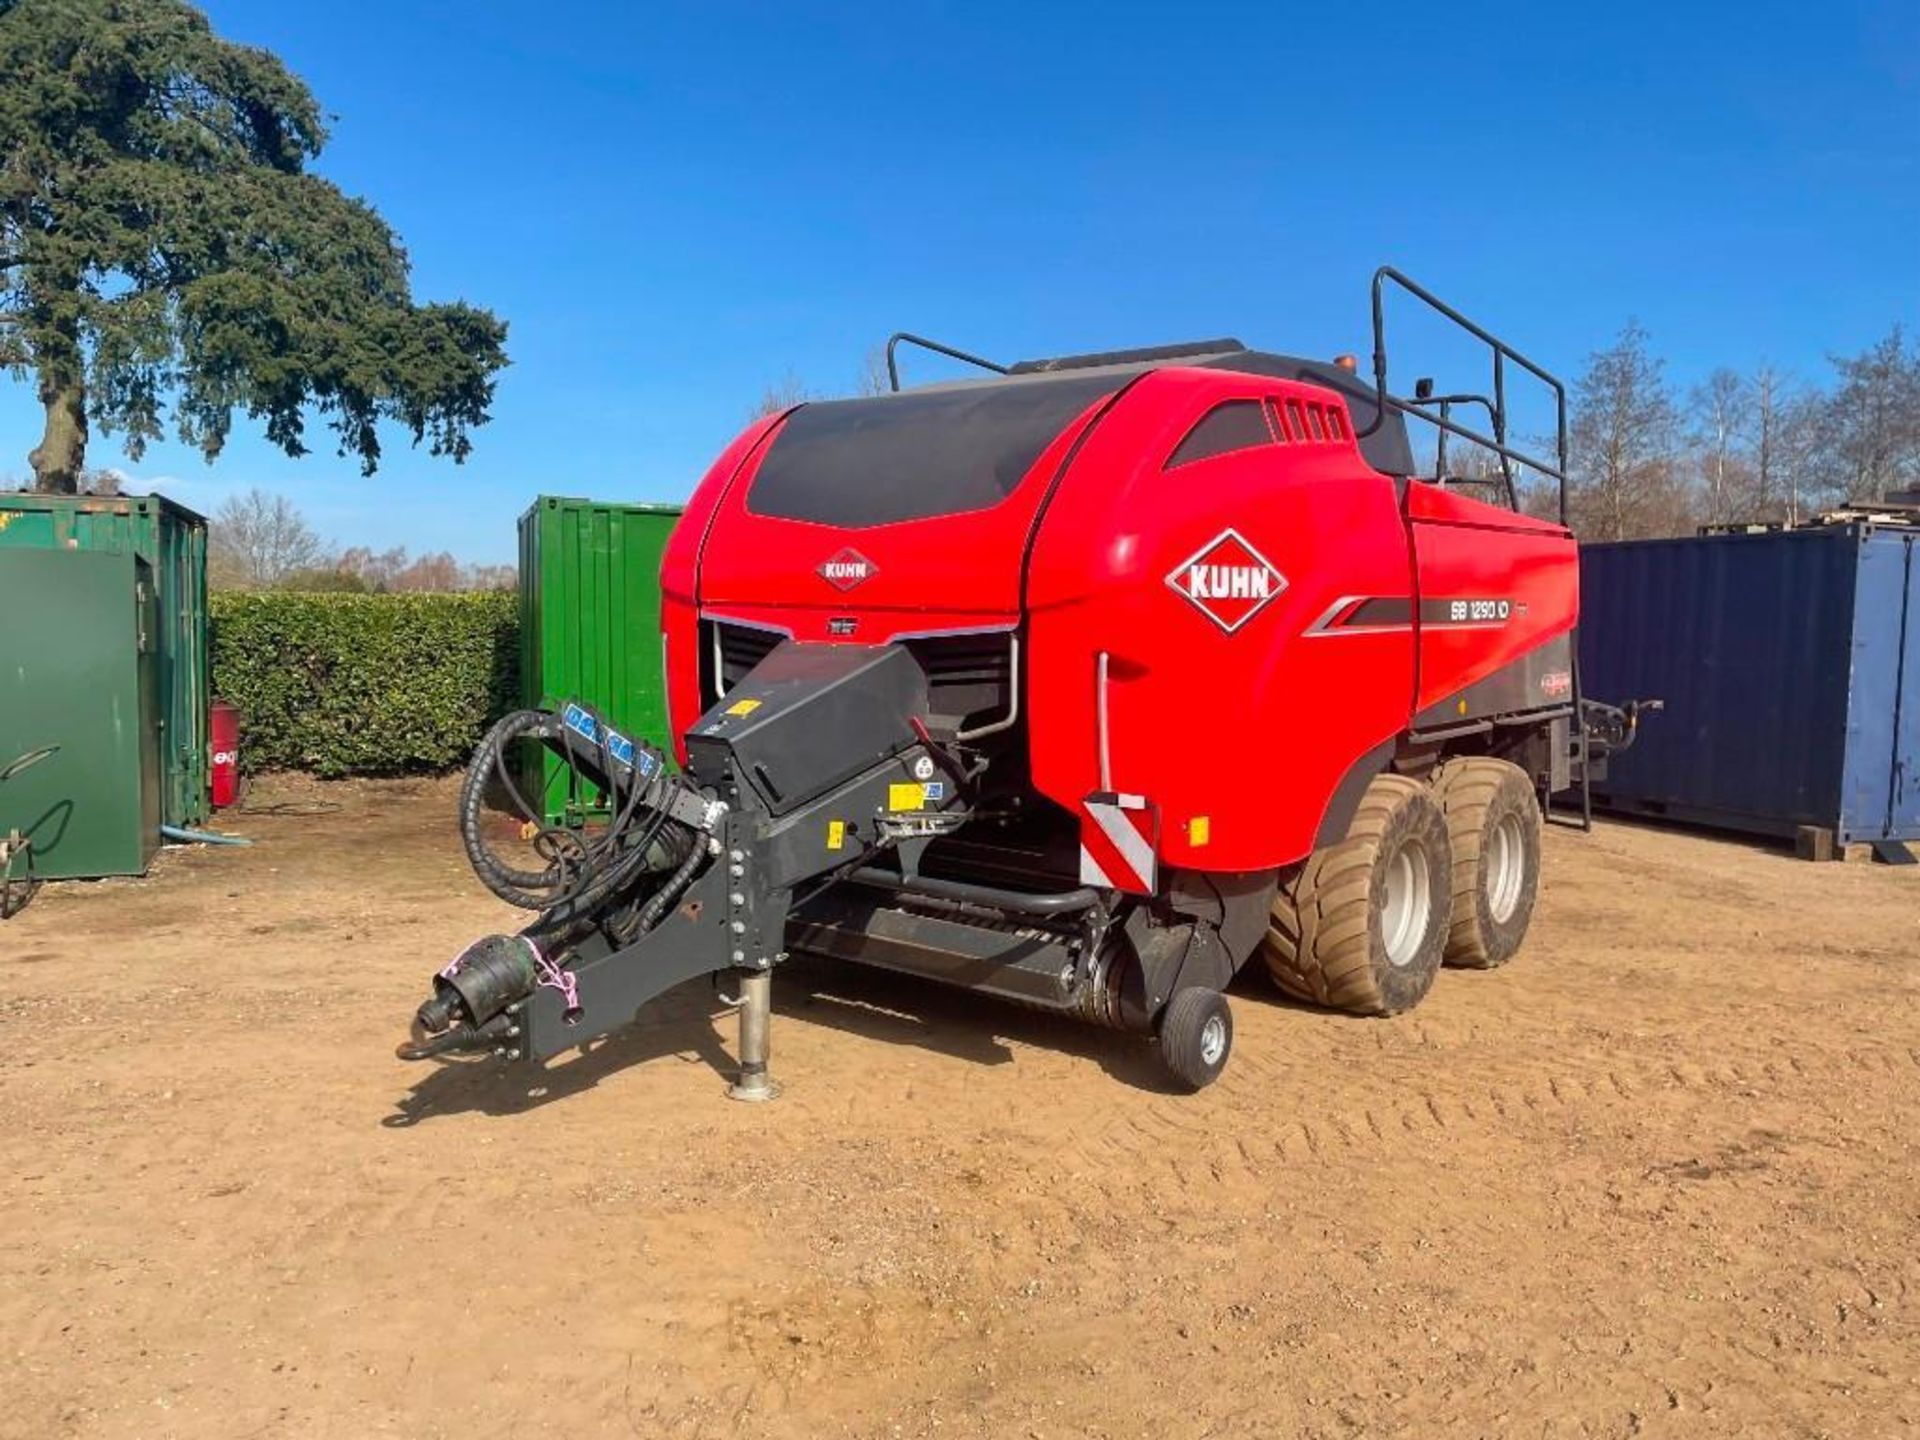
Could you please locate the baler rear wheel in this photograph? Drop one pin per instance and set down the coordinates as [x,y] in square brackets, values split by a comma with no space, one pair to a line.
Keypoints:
[1493,822]
[1196,1036]
[1363,924]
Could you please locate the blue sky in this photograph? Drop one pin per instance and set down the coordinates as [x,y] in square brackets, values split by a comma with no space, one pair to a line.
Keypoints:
[674,205]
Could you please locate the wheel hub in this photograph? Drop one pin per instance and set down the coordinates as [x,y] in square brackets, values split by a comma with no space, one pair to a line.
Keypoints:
[1213,1040]
[1503,868]
[1409,903]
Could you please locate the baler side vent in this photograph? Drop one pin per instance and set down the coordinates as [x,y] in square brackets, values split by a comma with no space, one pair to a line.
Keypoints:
[735,649]
[968,676]
[1297,422]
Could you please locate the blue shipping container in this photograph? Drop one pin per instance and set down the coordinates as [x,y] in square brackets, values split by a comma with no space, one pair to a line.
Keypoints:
[1789,662]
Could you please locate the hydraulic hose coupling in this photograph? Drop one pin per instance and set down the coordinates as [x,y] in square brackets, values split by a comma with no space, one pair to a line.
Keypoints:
[471,995]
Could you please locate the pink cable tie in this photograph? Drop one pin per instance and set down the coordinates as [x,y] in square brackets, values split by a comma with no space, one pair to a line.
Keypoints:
[552,976]
[556,977]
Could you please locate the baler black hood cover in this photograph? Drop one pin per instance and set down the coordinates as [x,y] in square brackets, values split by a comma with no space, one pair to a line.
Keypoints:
[948,449]
[917,454]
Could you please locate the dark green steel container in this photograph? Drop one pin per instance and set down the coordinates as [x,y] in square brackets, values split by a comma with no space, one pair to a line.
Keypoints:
[79,671]
[590,631]
[172,541]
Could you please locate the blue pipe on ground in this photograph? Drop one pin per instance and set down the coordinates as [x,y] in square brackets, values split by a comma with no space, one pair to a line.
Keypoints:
[201,837]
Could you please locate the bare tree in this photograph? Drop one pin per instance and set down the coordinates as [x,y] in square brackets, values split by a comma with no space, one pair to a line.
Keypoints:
[1776,493]
[1787,418]
[1869,431]
[781,396]
[324,579]
[1721,409]
[395,571]
[790,390]
[1474,470]
[374,569]
[873,378]
[438,572]
[257,540]
[1623,441]
[491,577]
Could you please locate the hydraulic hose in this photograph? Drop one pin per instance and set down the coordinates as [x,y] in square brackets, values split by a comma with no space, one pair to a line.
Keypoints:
[524,888]
[670,892]
[583,874]
[618,881]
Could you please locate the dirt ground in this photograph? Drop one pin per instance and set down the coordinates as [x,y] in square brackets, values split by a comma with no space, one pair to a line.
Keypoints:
[1660,1176]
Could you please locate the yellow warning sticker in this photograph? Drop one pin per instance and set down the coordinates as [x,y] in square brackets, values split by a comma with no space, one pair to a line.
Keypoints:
[836,835]
[1199,830]
[906,797]
[743,707]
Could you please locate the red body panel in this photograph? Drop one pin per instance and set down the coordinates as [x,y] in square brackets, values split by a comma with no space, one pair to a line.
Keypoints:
[680,567]
[1257,616]
[1468,549]
[1247,732]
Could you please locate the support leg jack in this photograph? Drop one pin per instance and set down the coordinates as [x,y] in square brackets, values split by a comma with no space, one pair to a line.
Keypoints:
[756,1019]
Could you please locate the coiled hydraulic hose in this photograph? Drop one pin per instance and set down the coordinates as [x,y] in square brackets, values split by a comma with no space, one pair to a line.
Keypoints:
[582,874]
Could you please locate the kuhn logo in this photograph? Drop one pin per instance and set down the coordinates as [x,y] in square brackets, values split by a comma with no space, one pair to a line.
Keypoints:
[1227,580]
[847,569]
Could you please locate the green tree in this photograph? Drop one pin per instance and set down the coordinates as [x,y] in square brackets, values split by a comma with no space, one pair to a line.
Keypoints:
[163,244]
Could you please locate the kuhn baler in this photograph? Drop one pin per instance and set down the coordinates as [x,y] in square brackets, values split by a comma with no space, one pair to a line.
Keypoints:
[1081,685]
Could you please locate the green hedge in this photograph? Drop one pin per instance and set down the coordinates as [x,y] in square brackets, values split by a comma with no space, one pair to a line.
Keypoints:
[364,684]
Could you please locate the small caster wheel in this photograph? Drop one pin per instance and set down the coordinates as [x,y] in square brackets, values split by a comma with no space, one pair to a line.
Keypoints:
[1196,1036]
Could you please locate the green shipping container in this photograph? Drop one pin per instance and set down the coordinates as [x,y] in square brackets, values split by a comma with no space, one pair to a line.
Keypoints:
[590,631]
[172,541]
[79,672]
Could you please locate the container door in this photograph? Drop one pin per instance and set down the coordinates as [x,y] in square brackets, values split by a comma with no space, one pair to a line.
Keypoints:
[590,631]
[151,734]
[1903,821]
[73,683]
[1881,638]
[180,580]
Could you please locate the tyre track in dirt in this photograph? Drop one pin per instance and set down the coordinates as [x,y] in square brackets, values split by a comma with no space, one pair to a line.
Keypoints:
[1654,1177]
[1372,1101]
